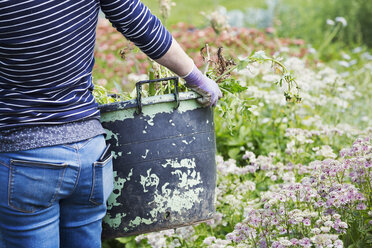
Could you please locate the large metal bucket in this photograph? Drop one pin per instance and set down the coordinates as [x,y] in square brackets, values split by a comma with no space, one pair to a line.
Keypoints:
[164,163]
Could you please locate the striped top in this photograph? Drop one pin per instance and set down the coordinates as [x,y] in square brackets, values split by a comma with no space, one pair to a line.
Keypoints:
[46,55]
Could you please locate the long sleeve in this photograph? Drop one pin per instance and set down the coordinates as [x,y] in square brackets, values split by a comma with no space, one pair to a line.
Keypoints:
[46,62]
[135,21]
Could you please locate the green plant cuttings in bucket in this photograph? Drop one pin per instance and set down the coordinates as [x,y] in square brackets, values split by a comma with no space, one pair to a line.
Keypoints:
[220,70]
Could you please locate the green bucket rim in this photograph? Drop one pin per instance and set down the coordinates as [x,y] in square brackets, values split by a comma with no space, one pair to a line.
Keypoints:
[133,103]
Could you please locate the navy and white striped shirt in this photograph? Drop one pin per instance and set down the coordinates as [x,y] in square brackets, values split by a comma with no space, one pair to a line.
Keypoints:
[46,55]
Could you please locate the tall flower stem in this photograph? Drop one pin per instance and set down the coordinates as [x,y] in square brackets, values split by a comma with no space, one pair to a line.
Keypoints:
[330,37]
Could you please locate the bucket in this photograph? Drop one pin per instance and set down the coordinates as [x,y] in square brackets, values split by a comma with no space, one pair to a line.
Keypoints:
[163,151]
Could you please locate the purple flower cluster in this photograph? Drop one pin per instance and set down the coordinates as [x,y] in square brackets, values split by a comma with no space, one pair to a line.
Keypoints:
[309,205]
[229,167]
[313,211]
[213,242]
[359,159]
[283,242]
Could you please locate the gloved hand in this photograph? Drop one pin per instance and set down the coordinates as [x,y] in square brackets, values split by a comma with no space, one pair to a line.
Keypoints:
[203,85]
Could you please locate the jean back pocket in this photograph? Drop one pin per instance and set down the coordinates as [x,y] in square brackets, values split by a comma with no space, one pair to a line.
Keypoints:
[34,185]
[103,181]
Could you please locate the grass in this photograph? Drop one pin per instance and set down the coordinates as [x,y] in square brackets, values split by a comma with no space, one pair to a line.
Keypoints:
[189,11]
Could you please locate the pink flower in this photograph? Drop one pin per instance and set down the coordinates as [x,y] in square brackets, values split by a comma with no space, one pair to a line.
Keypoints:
[274,221]
[275,244]
[361,206]
[305,242]
[282,230]
[230,236]
[306,222]
[294,241]
[343,152]
[338,244]
[209,240]
[343,225]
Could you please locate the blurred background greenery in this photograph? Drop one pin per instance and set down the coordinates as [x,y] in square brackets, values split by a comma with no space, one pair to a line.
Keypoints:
[305,19]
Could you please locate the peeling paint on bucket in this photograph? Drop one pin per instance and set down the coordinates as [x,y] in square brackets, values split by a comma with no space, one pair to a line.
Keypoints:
[164,164]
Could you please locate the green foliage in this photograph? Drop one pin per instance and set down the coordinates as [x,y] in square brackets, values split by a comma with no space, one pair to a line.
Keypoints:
[310,19]
[104,96]
[232,85]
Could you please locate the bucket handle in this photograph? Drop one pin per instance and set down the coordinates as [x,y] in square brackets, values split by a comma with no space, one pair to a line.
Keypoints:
[139,90]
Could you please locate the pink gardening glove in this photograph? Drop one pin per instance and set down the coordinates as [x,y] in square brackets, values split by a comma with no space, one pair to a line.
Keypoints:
[203,85]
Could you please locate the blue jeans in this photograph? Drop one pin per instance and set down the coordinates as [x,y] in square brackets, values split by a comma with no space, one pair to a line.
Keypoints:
[54,196]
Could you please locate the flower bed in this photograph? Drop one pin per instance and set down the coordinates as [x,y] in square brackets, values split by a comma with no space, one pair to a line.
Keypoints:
[289,175]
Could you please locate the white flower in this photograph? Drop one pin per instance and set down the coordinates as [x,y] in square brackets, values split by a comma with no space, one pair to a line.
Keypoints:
[299,218]
[324,240]
[222,242]
[285,242]
[364,118]
[265,120]
[344,63]
[271,78]
[328,223]
[325,229]
[165,7]
[311,50]
[301,138]
[338,244]
[175,243]
[345,56]
[342,20]
[284,49]
[330,22]
[249,155]
[343,225]
[315,230]
[209,240]
[336,216]
[357,50]
[326,151]
[367,56]
[218,19]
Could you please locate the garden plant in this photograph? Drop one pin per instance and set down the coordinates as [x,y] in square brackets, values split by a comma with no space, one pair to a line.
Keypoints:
[293,129]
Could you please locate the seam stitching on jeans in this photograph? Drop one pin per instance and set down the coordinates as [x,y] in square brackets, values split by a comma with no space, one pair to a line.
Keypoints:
[78,176]
[86,143]
[93,185]
[70,145]
[8,166]
[58,189]
[9,192]
[9,183]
